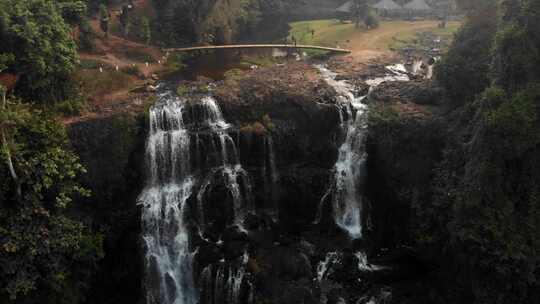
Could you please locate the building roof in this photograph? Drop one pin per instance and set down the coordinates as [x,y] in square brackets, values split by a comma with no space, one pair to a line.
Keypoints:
[417,5]
[345,7]
[383,4]
[387,5]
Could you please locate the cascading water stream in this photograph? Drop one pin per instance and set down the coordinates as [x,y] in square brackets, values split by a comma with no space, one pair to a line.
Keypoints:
[349,168]
[174,124]
[346,188]
[224,286]
[168,260]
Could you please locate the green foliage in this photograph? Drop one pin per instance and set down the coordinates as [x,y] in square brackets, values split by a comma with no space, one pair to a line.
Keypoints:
[131,70]
[139,56]
[514,122]
[233,74]
[104,19]
[94,83]
[464,70]
[86,37]
[382,114]
[181,22]
[146,31]
[517,56]
[73,11]
[177,61]
[182,90]
[45,252]
[361,12]
[70,107]
[91,64]
[6,60]
[267,122]
[45,54]
[372,21]
[485,218]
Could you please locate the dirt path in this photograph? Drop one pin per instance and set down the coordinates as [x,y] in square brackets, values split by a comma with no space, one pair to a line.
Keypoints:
[373,44]
[113,50]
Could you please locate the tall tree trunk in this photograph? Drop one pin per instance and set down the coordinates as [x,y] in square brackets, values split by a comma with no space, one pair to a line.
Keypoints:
[5,147]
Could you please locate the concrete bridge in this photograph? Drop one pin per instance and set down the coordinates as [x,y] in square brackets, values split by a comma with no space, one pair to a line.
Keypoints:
[258,46]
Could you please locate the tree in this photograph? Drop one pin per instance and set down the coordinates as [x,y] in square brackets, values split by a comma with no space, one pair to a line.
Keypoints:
[362,13]
[464,70]
[45,53]
[484,220]
[72,11]
[104,19]
[146,32]
[45,253]
[5,59]
[124,19]
[86,37]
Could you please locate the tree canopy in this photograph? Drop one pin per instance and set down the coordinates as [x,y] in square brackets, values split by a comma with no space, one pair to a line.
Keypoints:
[37,36]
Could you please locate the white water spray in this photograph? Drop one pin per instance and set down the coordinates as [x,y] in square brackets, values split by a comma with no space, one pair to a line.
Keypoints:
[168,260]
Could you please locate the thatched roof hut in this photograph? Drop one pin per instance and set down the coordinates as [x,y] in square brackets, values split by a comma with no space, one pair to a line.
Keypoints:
[418,5]
[388,5]
[345,8]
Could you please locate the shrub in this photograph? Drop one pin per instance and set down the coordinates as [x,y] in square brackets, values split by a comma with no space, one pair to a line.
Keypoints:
[256,128]
[86,38]
[182,90]
[372,21]
[131,70]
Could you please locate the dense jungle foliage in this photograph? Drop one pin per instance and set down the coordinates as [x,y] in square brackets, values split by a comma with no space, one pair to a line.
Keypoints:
[485,218]
[46,251]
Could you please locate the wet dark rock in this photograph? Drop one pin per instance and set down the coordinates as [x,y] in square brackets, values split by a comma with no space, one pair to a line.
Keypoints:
[420,91]
[306,248]
[401,163]
[234,249]
[294,294]
[112,151]
[234,233]
[282,240]
[335,296]
[290,264]
[208,253]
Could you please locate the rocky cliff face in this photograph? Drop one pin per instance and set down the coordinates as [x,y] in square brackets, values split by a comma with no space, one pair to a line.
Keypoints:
[405,144]
[287,141]
[260,140]
[303,125]
[112,150]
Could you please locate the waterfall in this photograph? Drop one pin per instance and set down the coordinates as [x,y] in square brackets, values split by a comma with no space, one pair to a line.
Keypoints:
[225,285]
[270,176]
[350,166]
[178,126]
[345,190]
[324,268]
[168,259]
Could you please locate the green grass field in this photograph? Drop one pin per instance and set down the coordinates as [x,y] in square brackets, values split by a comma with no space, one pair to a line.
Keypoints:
[406,38]
[321,32]
[390,34]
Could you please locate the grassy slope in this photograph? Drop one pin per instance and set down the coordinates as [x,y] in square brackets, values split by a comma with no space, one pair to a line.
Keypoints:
[332,32]
[327,32]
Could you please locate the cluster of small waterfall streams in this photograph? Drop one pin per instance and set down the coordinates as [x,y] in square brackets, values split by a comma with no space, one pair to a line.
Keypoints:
[179,132]
[191,151]
[168,257]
